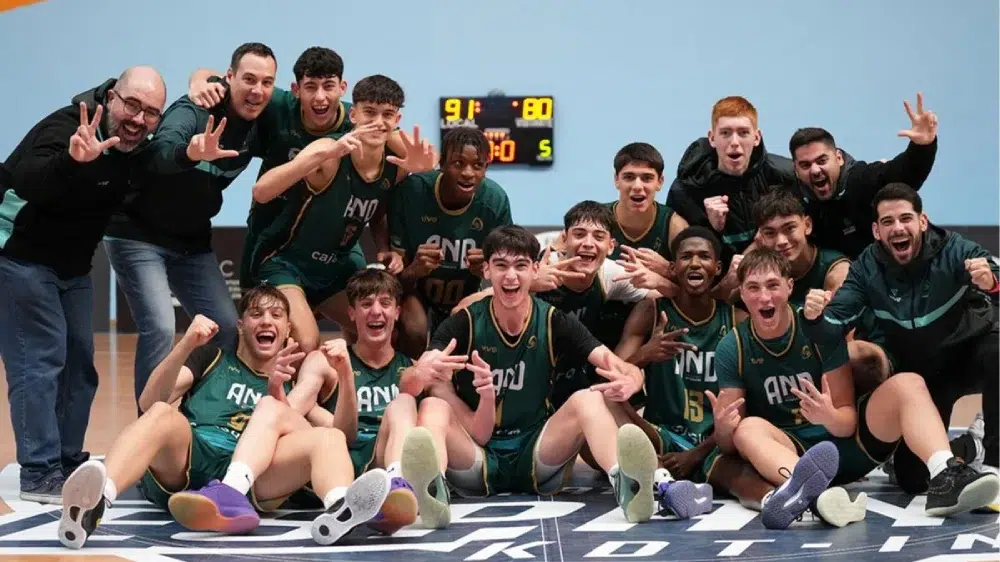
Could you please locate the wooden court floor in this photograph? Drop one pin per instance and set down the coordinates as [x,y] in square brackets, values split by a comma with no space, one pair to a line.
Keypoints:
[114,408]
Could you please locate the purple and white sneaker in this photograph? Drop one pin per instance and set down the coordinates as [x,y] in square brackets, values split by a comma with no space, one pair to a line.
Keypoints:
[398,510]
[216,507]
[684,498]
[811,477]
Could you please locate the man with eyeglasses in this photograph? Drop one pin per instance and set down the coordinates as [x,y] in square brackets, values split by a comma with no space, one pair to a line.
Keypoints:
[160,246]
[58,189]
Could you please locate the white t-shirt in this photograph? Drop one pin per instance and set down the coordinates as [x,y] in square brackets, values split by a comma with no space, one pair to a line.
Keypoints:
[622,290]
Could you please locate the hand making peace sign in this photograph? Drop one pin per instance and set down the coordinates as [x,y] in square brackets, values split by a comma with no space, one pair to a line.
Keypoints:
[419,155]
[84,145]
[204,147]
[923,124]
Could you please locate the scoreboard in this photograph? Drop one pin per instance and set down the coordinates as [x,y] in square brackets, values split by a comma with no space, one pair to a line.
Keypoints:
[519,128]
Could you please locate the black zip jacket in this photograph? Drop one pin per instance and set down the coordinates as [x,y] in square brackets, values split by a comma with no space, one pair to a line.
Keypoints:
[929,309]
[54,209]
[844,223]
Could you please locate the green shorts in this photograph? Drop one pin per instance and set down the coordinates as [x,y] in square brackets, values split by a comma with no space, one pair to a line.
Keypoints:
[206,462]
[319,281]
[671,442]
[859,454]
[362,453]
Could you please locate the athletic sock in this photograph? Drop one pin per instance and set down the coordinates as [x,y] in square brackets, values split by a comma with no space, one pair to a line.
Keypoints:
[611,476]
[333,496]
[938,462]
[393,469]
[239,477]
[110,490]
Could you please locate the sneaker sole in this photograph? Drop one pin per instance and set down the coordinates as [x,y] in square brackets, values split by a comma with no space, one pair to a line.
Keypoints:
[421,466]
[836,508]
[978,494]
[364,499]
[637,461]
[82,492]
[398,511]
[810,478]
[198,513]
[686,500]
[48,499]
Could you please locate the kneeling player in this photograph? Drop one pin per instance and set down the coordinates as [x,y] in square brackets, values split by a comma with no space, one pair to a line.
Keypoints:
[772,364]
[509,439]
[189,446]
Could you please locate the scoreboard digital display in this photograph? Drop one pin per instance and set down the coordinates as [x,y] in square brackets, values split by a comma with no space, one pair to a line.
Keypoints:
[519,128]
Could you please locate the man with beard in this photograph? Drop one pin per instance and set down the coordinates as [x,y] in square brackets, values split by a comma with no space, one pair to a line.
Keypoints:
[935,296]
[838,190]
[721,176]
[438,221]
[58,189]
[161,244]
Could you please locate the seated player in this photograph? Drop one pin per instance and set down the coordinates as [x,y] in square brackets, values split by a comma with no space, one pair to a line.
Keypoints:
[438,221]
[510,439]
[824,436]
[348,181]
[197,405]
[374,402]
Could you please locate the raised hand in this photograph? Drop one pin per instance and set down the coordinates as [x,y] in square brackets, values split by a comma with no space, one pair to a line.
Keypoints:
[728,417]
[816,301]
[474,260]
[482,376]
[83,145]
[204,147]
[440,365]
[201,331]
[622,381]
[648,258]
[284,369]
[982,275]
[923,124]
[640,276]
[815,406]
[206,94]
[419,155]
[336,354]
[551,276]
[664,345]
[717,208]
[427,259]
[392,261]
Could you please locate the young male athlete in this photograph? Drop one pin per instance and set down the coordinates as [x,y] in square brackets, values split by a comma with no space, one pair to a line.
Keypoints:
[825,435]
[438,221]
[347,180]
[175,447]
[511,439]
[374,400]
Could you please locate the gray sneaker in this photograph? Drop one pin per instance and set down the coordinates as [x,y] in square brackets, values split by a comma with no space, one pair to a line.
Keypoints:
[49,491]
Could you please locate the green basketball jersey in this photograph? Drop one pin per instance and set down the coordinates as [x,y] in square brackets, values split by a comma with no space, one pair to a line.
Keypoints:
[417,217]
[655,238]
[676,389]
[522,368]
[223,396]
[815,278]
[767,370]
[375,389]
[330,219]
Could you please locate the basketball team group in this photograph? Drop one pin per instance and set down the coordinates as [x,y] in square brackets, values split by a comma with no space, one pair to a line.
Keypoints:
[777,329]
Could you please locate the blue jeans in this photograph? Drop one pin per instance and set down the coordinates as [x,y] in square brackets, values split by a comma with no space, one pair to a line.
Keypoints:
[147,274]
[47,346]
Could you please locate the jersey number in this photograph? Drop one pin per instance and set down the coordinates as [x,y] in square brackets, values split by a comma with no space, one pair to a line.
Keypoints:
[797,413]
[695,410]
[445,294]
[239,421]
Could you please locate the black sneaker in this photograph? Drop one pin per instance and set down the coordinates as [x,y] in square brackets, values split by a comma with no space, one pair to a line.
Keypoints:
[959,488]
[83,504]
[838,506]
[49,491]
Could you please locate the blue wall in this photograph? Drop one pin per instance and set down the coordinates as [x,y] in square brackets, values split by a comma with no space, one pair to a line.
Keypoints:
[646,70]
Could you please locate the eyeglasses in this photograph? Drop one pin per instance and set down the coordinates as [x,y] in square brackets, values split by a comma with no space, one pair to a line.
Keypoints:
[134,107]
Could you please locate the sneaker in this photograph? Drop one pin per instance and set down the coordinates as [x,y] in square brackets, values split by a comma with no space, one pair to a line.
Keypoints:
[838,507]
[83,504]
[49,491]
[684,498]
[359,505]
[216,507]
[398,510]
[422,467]
[812,475]
[633,478]
[889,468]
[959,488]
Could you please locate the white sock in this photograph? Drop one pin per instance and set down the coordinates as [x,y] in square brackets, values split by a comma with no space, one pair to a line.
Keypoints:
[611,475]
[333,495]
[110,490]
[239,477]
[938,462]
[662,475]
[393,469]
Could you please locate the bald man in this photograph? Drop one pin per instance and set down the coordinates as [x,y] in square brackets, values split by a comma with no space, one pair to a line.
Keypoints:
[58,189]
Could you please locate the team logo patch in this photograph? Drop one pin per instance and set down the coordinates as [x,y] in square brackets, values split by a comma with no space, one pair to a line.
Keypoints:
[806,352]
[386,184]
[532,342]
[477,223]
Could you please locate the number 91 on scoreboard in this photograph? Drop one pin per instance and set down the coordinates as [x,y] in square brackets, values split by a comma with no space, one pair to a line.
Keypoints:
[519,129]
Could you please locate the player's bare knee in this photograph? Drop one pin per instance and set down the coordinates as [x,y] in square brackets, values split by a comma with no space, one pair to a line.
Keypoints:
[328,439]
[434,412]
[749,431]
[586,400]
[403,406]
[268,409]
[907,384]
[160,413]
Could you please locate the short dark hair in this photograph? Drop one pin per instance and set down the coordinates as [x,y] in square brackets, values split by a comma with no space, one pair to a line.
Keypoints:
[318,62]
[697,232]
[590,211]
[809,135]
[763,259]
[898,191]
[370,282]
[378,89]
[513,239]
[259,49]
[639,153]
[777,203]
[455,140]
[251,297]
